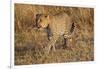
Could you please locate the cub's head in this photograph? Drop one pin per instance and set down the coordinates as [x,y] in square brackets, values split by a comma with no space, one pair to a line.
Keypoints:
[42,20]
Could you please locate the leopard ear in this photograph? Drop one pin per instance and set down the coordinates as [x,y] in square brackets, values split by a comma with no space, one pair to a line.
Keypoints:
[38,15]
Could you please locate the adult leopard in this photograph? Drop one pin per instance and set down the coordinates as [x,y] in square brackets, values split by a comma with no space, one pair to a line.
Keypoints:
[57,25]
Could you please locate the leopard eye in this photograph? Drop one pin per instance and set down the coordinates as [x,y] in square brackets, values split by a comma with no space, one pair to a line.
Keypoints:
[45,16]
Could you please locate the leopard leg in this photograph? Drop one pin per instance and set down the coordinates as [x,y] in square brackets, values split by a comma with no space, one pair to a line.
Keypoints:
[52,43]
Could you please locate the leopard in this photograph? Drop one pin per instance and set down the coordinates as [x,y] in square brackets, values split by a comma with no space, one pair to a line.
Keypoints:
[58,25]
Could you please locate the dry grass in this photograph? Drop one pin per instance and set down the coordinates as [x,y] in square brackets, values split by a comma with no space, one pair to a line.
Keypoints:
[29,42]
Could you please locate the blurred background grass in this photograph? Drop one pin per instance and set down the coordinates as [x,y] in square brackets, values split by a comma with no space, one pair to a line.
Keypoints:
[29,42]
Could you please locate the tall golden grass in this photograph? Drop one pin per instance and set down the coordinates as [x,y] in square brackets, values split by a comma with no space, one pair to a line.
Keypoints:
[29,42]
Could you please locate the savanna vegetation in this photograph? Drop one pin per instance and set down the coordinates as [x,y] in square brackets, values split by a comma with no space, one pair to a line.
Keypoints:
[30,42]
